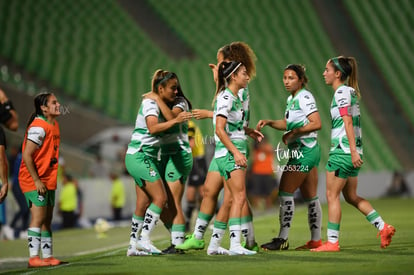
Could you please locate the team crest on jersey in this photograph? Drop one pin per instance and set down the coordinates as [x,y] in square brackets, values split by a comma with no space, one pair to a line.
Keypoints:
[152,172]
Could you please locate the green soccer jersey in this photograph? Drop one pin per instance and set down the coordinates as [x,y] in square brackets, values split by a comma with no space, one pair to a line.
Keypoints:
[177,136]
[345,102]
[229,106]
[141,139]
[298,108]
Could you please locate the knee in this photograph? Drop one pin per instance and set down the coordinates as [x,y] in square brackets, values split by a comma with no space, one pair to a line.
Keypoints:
[239,198]
[331,196]
[209,194]
[160,201]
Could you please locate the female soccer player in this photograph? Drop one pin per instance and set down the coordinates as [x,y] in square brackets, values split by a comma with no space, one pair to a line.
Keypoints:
[231,146]
[143,161]
[38,176]
[237,51]
[178,161]
[301,122]
[345,156]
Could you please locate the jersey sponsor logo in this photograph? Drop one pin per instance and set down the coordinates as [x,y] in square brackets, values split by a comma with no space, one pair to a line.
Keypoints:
[342,101]
[287,115]
[311,106]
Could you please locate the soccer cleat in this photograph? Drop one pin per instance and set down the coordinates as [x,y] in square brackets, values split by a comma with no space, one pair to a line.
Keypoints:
[53,261]
[191,242]
[172,250]
[327,247]
[147,246]
[219,251]
[239,250]
[310,245]
[386,235]
[132,251]
[254,247]
[36,262]
[276,244]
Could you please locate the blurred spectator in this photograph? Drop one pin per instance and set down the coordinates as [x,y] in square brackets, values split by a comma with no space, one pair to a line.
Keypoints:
[23,214]
[68,202]
[262,183]
[117,196]
[399,186]
[61,169]
[9,118]
[98,169]
[198,173]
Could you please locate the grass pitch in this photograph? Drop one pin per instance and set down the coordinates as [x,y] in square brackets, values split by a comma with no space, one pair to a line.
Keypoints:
[360,249]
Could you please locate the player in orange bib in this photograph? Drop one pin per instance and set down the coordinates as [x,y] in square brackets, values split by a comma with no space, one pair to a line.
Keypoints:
[38,176]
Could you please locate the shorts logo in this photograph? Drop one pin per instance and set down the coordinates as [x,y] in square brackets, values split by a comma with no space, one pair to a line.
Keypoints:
[40,198]
[152,172]
[170,174]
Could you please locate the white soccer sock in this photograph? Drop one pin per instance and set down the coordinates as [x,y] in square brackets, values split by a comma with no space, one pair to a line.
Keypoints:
[136,226]
[315,218]
[150,220]
[286,212]
[177,234]
[375,219]
[333,232]
[247,231]
[46,244]
[218,233]
[235,232]
[33,238]
[201,224]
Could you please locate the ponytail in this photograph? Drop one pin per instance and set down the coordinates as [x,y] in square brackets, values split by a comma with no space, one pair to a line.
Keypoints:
[349,70]
[39,101]
[353,77]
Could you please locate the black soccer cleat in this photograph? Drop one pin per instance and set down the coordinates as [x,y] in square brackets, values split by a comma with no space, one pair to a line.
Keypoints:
[172,250]
[276,244]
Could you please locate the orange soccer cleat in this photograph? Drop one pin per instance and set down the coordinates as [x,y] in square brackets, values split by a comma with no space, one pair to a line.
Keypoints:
[327,247]
[386,235]
[309,245]
[36,262]
[53,261]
